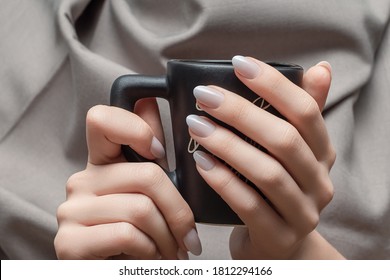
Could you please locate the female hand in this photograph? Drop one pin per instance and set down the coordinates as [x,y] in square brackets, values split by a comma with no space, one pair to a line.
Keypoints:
[294,175]
[119,209]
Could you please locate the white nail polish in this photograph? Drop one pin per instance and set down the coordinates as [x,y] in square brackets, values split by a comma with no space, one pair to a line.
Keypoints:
[156,148]
[208,96]
[203,160]
[246,67]
[326,65]
[200,126]
[192,242]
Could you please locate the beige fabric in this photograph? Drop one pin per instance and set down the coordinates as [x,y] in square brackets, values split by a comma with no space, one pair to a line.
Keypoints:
[59,58]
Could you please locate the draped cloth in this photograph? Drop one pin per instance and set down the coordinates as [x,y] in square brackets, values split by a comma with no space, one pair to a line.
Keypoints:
[59,58]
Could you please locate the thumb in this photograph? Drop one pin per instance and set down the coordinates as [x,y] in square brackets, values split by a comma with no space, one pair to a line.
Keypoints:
[316,82]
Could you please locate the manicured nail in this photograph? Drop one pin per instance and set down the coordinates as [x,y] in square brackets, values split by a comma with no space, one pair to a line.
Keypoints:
[200,126]
[192,242]
[182,255]
[208,96]
[156,148]
[246,67]
[326,65]
[203,160]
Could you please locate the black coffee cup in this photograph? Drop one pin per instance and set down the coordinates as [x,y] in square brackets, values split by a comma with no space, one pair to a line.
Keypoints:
[177,88]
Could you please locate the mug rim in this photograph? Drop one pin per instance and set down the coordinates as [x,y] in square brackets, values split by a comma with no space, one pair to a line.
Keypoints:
[226,62]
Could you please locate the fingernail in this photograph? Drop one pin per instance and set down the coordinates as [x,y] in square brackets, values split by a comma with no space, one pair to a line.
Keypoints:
[182,255]
[200,126]
[192,242]
[326,65]
[203,160]
[246,67]
[208,96]
[156,148]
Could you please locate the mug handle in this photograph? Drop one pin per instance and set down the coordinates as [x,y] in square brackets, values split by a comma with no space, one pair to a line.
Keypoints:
[126,91]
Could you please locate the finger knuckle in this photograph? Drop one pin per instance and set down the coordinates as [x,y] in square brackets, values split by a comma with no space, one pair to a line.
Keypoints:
[63,245]
[328,195]
[327,192]
[124,233]
[290,140]
[251,207]
[276,82]
[127,235]
[311,221]
[182,216]
[331,157]
[63,212]
[74,183]
[240,113]
[227,146]
[311,110]
[144,210]
[223,183]
[59,247]
[152,174]
[272,176]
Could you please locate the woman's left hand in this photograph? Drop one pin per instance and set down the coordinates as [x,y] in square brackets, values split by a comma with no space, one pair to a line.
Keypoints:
[293,175]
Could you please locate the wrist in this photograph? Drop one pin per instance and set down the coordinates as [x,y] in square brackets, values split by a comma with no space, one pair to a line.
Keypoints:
[316,247]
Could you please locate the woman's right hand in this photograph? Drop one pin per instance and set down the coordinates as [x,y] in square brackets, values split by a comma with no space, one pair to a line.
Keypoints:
[120,209]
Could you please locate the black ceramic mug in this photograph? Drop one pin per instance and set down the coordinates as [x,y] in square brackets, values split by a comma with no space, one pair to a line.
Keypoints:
[177,87]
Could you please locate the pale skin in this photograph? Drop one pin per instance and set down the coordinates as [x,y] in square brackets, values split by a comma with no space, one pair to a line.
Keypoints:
[117,209]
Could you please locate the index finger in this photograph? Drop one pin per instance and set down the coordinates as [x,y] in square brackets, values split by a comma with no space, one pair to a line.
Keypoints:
[109,127]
